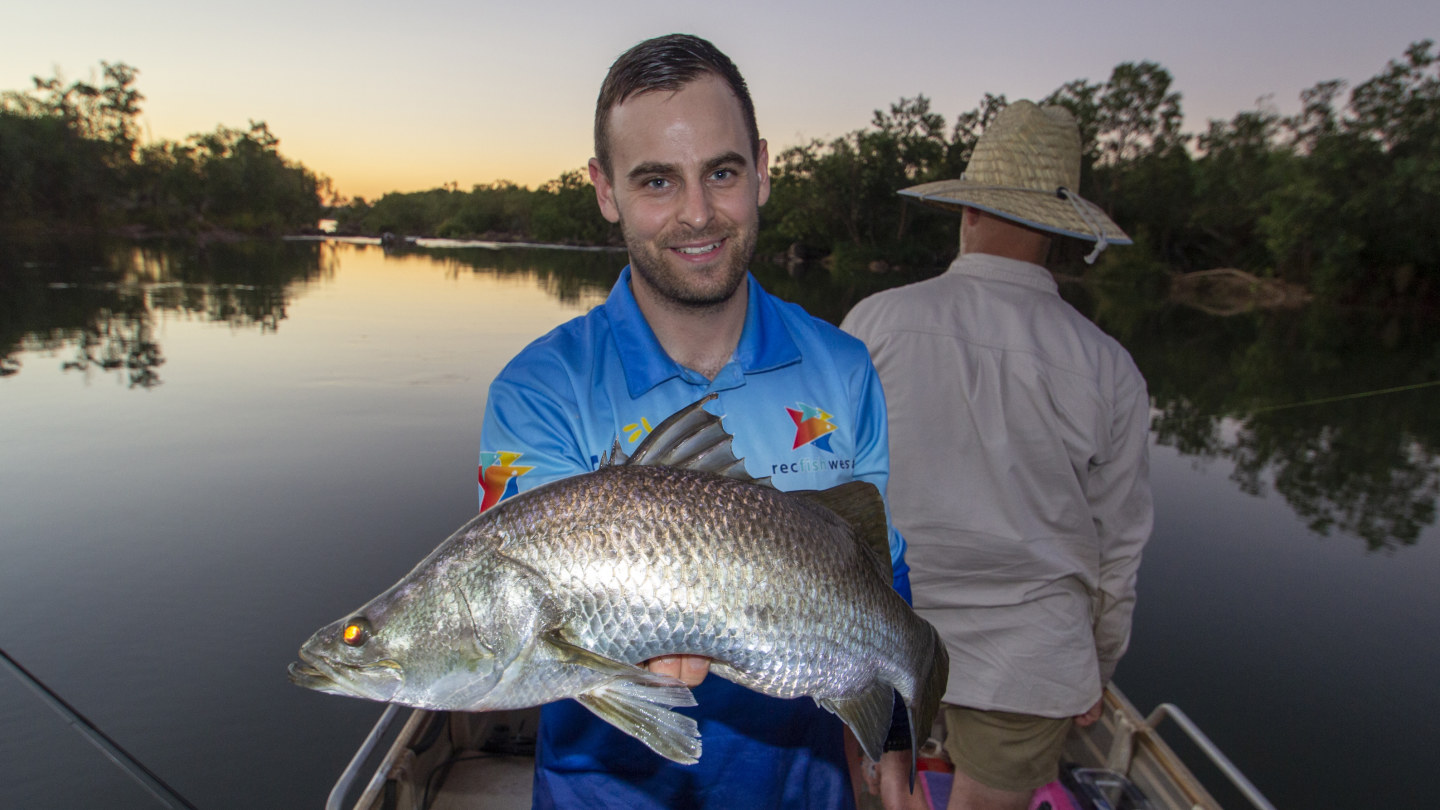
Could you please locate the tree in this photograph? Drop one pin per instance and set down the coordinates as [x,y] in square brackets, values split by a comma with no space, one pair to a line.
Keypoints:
[1355,212]
[1137,114]
[565,210]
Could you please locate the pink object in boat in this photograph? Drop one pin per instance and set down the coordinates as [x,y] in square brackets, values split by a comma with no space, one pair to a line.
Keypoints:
[1053,796]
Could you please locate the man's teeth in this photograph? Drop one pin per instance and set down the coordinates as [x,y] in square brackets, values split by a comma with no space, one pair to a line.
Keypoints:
[696,251]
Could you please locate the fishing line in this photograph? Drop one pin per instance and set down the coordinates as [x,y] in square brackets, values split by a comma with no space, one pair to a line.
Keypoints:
[1344,397]
[111,749]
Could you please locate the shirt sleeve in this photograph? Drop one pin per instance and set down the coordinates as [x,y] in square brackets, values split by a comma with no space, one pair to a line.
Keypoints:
[1119,492]
[872,462]
[530,437]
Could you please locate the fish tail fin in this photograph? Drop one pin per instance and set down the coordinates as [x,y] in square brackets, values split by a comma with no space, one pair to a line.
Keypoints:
[868,715]
[934,670]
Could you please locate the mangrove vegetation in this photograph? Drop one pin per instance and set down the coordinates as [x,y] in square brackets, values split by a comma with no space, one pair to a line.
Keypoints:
[1339,198]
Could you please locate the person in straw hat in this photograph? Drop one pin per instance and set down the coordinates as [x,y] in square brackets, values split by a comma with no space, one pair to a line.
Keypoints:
[1019,471]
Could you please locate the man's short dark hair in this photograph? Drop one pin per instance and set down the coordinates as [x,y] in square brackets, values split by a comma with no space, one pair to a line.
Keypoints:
[667,63]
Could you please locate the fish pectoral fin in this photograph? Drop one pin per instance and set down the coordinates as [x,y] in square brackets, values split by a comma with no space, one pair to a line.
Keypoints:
[868,715]
[637,701]
[642,710]
[566,652]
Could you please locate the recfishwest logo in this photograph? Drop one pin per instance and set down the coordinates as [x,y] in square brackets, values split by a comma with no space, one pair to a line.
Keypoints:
[809,465]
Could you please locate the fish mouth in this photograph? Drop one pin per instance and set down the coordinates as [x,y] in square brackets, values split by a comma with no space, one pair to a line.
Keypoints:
[379,680]
[302,674]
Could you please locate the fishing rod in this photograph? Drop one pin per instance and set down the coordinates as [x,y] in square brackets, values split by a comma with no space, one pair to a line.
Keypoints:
[1360,395]
[111,749]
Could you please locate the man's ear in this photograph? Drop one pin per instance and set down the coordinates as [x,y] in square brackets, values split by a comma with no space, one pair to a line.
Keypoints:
[604,191]
[762,169]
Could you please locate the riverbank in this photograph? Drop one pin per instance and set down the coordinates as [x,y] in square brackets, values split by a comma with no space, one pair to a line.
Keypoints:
[1231,291]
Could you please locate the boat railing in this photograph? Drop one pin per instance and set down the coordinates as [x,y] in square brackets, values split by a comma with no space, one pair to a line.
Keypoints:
[1210,749]
[1126,743]
[336,801]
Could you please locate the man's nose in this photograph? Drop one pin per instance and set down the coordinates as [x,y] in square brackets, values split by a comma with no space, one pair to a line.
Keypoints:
[696,208]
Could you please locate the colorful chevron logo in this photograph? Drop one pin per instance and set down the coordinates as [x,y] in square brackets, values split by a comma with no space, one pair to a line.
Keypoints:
[497,476]
[812,426]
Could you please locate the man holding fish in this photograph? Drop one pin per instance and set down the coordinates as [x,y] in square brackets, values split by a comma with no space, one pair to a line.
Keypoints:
[628,544]
[679,164]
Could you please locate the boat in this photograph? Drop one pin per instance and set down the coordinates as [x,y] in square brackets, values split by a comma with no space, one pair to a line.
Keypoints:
[452,760]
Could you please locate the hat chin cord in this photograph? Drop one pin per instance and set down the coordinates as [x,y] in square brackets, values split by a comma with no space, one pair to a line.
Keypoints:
[1084,213]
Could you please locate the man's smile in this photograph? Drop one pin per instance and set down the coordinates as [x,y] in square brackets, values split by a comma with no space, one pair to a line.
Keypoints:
[699,250]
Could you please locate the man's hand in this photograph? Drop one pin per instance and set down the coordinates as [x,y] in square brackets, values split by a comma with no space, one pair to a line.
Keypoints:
[1090,716]
[691,669]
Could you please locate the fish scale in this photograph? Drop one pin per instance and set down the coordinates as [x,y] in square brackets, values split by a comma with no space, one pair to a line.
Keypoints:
[780,646]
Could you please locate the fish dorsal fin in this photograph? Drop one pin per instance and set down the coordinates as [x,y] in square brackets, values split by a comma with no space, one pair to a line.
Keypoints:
[615,457]
[692,438]
[859,504]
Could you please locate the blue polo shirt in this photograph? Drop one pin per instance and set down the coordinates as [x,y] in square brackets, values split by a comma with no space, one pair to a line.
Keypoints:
[804,405]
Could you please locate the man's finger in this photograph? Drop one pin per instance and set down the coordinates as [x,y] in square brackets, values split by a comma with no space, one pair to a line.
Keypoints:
[689,669]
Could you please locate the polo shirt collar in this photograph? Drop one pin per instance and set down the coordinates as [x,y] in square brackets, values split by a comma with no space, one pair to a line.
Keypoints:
[765,342]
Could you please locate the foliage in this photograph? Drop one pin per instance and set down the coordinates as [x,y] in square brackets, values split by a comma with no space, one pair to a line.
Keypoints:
[1342,200]
[1341,197]
[70,156]
[563,211]
[843,192]
[1354,211]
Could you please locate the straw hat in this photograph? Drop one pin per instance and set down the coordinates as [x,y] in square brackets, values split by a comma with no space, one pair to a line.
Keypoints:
[1026,168]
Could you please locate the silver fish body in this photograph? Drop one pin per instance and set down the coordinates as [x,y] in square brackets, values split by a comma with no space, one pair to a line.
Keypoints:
[561,591]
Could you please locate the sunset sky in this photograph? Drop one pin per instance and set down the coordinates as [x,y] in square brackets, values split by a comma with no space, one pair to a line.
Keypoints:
[409,96]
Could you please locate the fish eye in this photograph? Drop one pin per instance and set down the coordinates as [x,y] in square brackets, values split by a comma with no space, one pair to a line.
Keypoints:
[356,632]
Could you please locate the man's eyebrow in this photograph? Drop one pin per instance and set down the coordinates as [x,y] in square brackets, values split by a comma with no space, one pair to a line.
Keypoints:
[722,161]
[650,170]
[654,168]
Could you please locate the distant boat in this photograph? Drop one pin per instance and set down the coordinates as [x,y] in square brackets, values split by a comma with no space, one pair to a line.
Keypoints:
[390,242]
[485,761]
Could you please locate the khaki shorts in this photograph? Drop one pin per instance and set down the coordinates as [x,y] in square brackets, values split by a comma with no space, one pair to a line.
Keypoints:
[1004,750]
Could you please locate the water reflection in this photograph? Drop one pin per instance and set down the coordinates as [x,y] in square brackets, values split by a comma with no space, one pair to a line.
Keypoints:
[574,277]
[101,302]
[1335,411]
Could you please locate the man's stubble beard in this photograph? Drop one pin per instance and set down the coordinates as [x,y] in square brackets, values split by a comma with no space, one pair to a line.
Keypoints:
[650,264]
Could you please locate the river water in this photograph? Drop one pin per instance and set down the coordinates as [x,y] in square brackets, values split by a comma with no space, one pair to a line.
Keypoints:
[209,453]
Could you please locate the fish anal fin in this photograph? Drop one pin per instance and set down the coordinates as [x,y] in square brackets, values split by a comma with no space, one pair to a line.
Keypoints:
[868,715]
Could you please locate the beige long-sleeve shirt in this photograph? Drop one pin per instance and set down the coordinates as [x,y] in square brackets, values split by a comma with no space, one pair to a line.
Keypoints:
[1019,477]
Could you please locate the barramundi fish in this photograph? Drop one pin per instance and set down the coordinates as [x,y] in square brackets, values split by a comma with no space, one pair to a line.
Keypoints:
[563,590]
